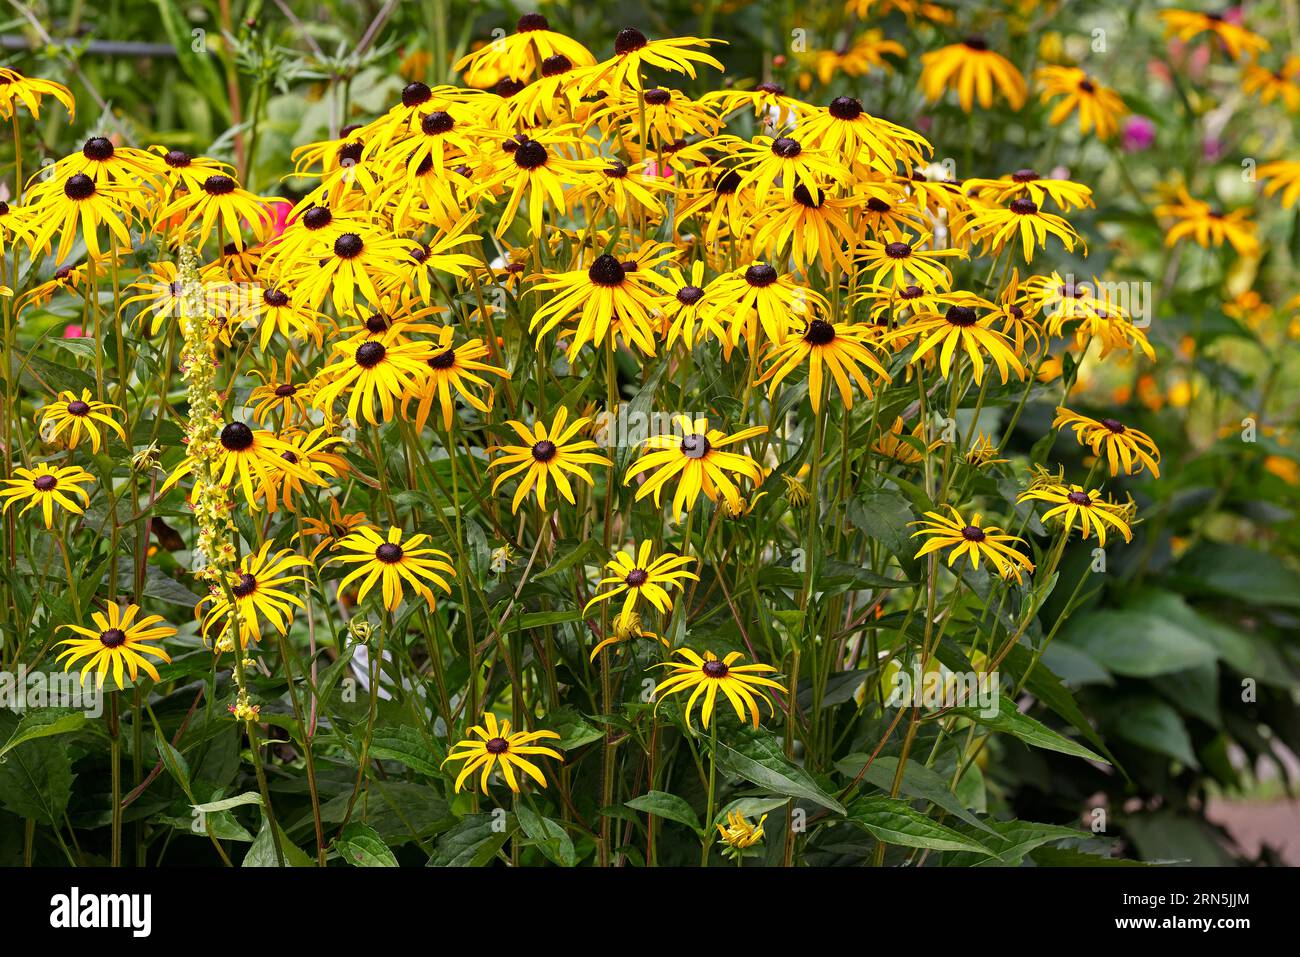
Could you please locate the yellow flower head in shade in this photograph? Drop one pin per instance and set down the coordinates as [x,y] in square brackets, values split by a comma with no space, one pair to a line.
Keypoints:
[260,592]
[739,835]
[521,54]
[1282,176]
[116,640]
[1235,39]
[330,530]
[394,563]
[972,540]
[995,225]
[1066,194]
[1073,506]
[625,630]
[1099,107]
[973,70]
[547,455]
[47,487]
[637,578]
[455,369]
[892,445]
[1208,225]
[1124,448]
[77,417]
[983,452]
[962,330]
[253,457]
[759,291]
[383,372]
[16,88]
[494,746]
[695,458]
[840,350]
[707,676]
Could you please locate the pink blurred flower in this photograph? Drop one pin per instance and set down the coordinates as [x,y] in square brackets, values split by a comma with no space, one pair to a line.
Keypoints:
[1139,134]
[74,332]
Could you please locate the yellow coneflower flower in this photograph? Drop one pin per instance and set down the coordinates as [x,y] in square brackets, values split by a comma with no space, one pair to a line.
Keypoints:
[708,675]
[625,189]
[695,458]
[815,225]
[765,99]
[259,588]
[47,487]
[520,54]
[972,540]
[633,52]
[330,530]
[362,261]
[313,451]
[278,394]
[842,350]
[1281,176]
[29,91]
[739,835]
[973,70]
[117,639]
[668,115]
[1072,505]
[891,443]
[277,311]
[496,747]
[983,453]
[861,140]
[784,160]
[219,201]
[1269,85]
[393,562]
[1236,39]
[758,291]
[717,206]
[454,368]
[1208,225]
[626,630]
[180,169]
[995,225]
[383,371]
[1125,447]
[682,310]
[254,457]
[75,205]
[1065,194]
[537,166]
[160,293]
[547,455]
[639,577]
[77,417]
[901,264]
[961,327]
[605,289]
[1099,106]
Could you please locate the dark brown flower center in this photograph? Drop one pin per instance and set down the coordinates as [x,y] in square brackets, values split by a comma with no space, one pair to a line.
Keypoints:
[1079,498]
[629,40]
[727,183]
[416,93]
[696,446]
[977,43]
[1113,425]
[44,483]
[898,250]
[1023,207]
[218,185]
[317,217]
[606,271]
[389,553]
[689,295]
[443,360]
[845,108]
[713,668]
[805,198]
[972,534]
[637,577]
[275,298]
[878,205]
[377,322]
[112,638]
[437,123]
[556,65]
[349,154]
[530,154]
[544,450]
[370,354]
[286,390]
[786,148]
[819,333]
[532,21]
[760,275]
[78,187]
[236,437]
[616,170]
[1086,86]
[348,246]
[177,159]
[98,148]
[507,87]
[1024,176]
[77,407]
[960,316]
[496,746]
[657,97]
[246,585]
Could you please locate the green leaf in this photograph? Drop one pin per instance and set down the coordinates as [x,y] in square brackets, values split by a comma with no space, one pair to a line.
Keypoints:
[1153,724]
[361,846]
[1244,574]
[1034,733]
[474,841]
[262,853]
[404,744]
[546,835]
[892,821]
[43,724]
[578,554]
[759,759]
[175,764]
[1136,643]
[883,514]
[225,804]
[668,806]
[198,66]
[36,781]
[574,730]
[1069,857]
[918,782]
